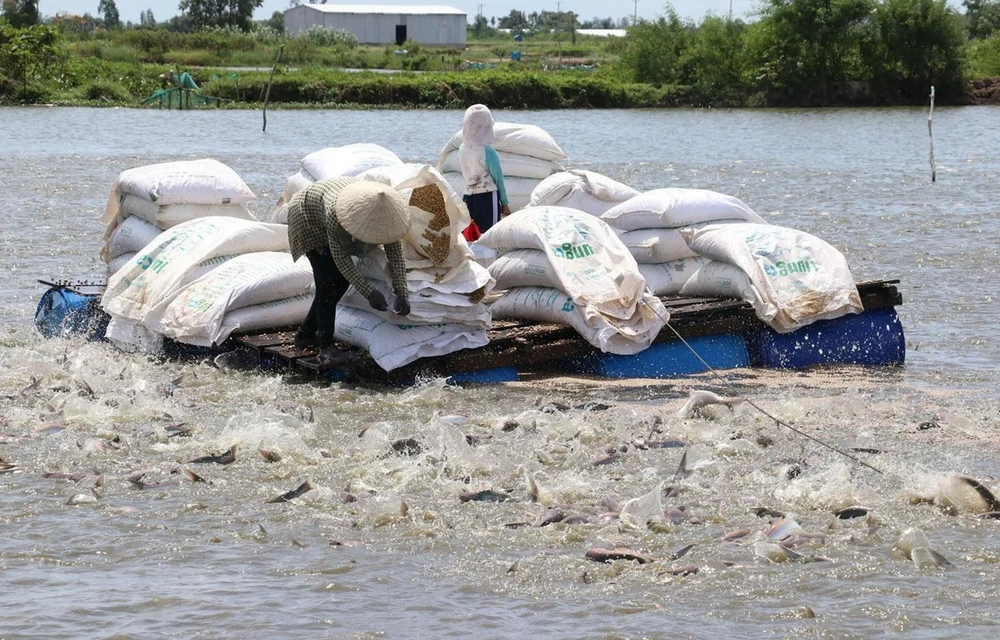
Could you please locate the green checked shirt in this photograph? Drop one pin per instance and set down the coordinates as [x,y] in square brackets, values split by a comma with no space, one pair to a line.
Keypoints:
[312,224]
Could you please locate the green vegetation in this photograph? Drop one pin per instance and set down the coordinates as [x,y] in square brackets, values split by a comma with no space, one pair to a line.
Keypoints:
[795,53]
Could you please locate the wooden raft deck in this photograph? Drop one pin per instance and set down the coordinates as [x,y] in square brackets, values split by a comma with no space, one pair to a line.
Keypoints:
[527,345]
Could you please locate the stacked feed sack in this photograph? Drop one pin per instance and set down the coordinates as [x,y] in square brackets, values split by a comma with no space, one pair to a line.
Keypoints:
[527,154]
[147,200]
[565,266]
[182,263]
[446,286]
[650,224]
[791,278]
[332,162]
[585,191]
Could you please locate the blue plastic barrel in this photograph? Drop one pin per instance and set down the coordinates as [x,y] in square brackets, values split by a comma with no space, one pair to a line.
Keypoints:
[873,338]
[63,312]
[666,359]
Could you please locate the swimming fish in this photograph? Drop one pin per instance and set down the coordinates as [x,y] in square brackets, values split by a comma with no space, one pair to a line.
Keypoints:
[485,495]
[303,488]
[682,468]
[926,557]
[607,555]
[267,454]
[992,504]
[698,399]
[227,457]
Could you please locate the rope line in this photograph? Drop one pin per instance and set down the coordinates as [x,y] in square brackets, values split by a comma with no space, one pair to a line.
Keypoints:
[732,388]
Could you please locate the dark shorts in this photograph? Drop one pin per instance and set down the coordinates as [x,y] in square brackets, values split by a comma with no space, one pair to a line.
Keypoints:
[484,209]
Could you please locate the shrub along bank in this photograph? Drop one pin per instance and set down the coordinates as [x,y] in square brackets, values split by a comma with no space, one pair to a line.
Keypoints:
[497,88]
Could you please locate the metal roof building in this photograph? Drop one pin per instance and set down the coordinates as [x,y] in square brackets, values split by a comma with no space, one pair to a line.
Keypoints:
[383,24]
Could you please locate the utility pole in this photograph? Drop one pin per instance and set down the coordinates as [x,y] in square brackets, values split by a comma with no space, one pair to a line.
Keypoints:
[559,24]
[635,11]
[730,10]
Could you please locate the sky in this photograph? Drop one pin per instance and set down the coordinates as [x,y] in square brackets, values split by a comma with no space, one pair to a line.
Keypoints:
[693,10]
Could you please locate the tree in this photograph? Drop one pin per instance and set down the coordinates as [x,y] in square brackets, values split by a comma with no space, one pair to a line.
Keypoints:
[516,21]
[109,12]
[921,43]
[21,13]
[598,23]
[481,26]
[28,53]
[146,19]
[801,46]
[983,17]
[220,13]
[717,58]
[653,50]
[276,21]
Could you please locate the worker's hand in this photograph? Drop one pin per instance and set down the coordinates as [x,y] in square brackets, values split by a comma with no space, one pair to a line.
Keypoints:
[504,210]
[377,300]
[401,306]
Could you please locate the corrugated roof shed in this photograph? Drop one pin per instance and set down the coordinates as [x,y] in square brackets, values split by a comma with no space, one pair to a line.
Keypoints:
[416,9]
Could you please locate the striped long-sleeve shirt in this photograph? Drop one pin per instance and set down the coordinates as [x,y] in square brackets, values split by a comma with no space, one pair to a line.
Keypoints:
[312,224]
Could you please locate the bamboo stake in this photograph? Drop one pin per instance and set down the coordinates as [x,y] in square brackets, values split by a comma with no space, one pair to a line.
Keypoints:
[267,95]
[930,133]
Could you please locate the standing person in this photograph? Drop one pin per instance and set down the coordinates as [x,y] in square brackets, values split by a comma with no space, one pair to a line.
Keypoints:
[329,222]
[485,191]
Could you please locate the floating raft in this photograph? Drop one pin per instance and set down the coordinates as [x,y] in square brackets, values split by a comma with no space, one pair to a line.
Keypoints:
[703,332]
[717,333]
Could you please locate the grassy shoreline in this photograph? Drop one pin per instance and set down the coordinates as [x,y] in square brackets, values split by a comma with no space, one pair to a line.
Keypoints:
[122,68]
[111,85]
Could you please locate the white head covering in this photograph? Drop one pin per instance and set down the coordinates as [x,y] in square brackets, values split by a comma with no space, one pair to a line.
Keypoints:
[477,127]
[373,212]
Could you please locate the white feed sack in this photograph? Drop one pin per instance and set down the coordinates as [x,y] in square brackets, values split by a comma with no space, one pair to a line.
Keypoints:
[286,312]
[170,193]
[513,165]
[589,265]
[468,278]
[520,139]
[674,208]
[131,236]
[348,160]
[195,315]
[436,295]
[295,183]
[165,216]
[587,191]
[524,268]
[427,307]
[652,246]
[590,262]
[715,279]
[331,162]
[162,268]
[435,236]
[393,344]
[667,278]
[205,181]
[610,335]
[798,278]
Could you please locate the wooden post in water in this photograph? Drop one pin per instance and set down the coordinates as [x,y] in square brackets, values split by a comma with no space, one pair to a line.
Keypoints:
[930,133]
[267,94]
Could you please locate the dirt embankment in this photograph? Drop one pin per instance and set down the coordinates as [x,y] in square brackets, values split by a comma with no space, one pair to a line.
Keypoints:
[985,91]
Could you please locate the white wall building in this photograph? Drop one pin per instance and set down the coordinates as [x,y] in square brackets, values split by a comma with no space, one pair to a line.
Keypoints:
[383,24]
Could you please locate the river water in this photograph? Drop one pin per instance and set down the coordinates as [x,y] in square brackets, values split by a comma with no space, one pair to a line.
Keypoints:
[384,547]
